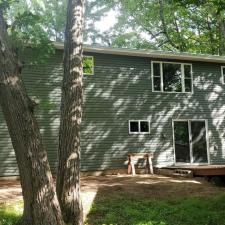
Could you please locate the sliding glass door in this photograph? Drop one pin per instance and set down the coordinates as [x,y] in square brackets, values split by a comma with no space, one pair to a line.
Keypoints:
[190,141]
[182,147]
[198,140]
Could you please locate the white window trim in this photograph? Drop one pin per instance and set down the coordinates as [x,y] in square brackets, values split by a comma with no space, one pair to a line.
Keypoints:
[148,126]
[223,81]
[207,142]
[93,67]
[130,132]
[182,77]
[139,126]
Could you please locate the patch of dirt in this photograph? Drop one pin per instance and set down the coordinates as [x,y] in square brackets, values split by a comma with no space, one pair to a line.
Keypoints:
[151,186]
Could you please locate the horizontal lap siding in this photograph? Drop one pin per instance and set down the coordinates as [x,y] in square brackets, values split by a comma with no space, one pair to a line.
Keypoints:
[209,98]
[8,165]
[43,84]
[119,91]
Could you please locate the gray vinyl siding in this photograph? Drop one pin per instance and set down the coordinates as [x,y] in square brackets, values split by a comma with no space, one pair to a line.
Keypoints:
[121,90]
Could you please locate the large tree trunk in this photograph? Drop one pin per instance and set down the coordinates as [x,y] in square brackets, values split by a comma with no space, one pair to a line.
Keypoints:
[41,206]
[68,179]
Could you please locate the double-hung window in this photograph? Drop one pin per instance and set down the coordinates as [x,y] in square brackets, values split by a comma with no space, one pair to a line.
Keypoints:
[171,77]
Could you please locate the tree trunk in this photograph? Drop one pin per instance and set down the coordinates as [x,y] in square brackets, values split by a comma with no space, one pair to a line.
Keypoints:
[164,25]
[68,179]
[41,206]
[221,34]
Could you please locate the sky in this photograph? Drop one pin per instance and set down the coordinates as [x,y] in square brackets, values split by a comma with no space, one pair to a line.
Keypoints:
[106,22]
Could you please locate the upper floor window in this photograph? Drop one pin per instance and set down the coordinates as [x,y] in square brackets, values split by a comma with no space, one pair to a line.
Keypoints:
[171,77]
[88,65]
[223,74]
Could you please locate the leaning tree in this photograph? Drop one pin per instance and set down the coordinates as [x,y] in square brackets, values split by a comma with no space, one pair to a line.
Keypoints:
[41,206]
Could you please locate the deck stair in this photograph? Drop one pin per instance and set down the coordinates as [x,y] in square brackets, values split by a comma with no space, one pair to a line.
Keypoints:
[183,173]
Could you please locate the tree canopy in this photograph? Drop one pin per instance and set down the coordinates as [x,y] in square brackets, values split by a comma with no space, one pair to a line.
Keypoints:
[187,26]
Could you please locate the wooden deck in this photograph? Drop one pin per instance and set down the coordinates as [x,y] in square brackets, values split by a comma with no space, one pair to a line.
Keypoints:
[203,170]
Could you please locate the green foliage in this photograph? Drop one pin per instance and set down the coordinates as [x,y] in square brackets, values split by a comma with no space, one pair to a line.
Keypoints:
[26,28]
[88,65]
[10,213]
[49,19]
[189,25]
[46,105]
[4,4]
[53,14]
[127,209]
[131,40]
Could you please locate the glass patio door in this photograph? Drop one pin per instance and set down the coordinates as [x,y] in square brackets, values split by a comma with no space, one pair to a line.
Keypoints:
[190,141]
[198,142]
[182,142]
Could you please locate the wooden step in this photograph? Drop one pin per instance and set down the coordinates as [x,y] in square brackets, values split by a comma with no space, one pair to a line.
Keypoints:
[183,173]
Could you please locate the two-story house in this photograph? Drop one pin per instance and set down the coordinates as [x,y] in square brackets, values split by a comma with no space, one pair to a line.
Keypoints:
[172,104]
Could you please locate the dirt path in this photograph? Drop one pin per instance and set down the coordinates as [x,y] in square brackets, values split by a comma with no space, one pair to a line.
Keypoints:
[154,187]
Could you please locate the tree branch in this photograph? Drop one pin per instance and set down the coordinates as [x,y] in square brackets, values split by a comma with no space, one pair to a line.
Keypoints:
[164,26]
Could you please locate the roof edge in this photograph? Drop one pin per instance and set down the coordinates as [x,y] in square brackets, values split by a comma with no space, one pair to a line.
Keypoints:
[149,53]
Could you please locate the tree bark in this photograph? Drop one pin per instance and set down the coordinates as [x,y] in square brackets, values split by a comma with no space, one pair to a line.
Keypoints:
[41,206]
[68,179]
[212,41]
[221,22]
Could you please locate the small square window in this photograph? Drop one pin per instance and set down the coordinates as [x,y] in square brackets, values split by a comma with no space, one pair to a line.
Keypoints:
[134,126]
[139,127]
[144,126]
[88,65]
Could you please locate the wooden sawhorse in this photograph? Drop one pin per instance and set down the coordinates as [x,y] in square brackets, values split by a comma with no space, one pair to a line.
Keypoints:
[133,157]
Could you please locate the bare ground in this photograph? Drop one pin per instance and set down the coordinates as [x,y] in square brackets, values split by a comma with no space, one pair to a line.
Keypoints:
[153,187]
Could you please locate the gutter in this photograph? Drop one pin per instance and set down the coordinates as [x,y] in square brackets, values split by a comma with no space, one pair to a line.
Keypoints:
[149,53]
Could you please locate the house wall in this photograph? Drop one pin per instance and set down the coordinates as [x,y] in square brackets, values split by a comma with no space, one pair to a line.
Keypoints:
[119,91]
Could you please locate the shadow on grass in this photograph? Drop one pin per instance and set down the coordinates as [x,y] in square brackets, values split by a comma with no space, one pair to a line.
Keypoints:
[10,213]
[117,206]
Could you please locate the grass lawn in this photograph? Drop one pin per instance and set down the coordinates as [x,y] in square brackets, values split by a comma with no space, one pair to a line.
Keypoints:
[128,210]
[143,201]
[10,213]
